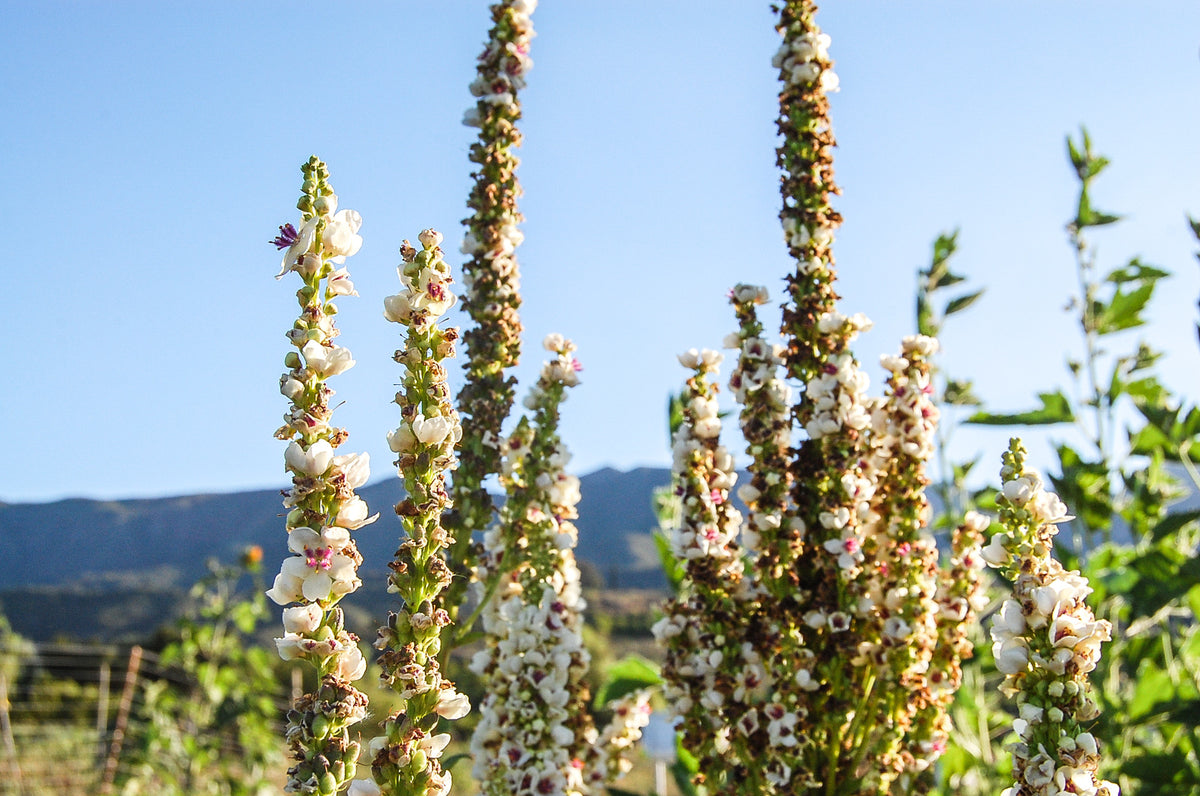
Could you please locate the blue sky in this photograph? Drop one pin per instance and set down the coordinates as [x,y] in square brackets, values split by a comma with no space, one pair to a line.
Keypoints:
[151,149]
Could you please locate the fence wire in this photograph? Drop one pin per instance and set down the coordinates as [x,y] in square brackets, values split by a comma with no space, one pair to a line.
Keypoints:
[70,713]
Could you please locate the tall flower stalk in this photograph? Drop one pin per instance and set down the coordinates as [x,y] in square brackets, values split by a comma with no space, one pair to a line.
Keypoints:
[535,735]
[407,757]
[491,276]
[1046,642]
[706,672]
[322,505]
[812,670]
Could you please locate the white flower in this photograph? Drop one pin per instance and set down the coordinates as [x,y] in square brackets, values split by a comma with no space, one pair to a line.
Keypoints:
[432,430]
[314,461]
[351,665]
[398,308]
[320,567]
[1012,656]
[352,514]
[290,386]
[995,553]
[363,787]
[402,440]
[355,468]
[452,705]
[326,360]
[341,239]
[304,240]
[302,618]
[1019,490]
[340,284]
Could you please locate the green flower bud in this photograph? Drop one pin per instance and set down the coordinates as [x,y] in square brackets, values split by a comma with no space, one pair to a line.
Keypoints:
[292,360]
[320,726]
[328,784]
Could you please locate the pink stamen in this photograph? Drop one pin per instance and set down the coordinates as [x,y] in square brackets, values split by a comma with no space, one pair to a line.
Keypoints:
[320,558]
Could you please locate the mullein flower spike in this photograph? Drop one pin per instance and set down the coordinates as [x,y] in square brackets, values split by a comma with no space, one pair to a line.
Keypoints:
[322,505]
[406,759]
[1046,641]
[491,277]
[535,735]
[827,663]
[708,672]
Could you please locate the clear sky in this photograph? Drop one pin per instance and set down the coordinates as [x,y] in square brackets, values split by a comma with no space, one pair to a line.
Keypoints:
[150,150]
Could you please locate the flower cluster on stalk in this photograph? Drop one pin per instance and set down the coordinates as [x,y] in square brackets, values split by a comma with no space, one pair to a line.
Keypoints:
[406,759]
[826,663]
[1046,641]
[535,735]
[322,505]
[491,277]
[706,672]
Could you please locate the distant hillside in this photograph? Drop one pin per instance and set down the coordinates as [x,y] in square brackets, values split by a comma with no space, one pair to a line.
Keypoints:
[87,566]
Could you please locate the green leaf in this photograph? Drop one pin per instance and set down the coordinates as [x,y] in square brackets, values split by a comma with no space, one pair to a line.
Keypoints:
[449,762]
[1135,271]
[631,673]
[1162,767]
[1087,216]
[674,414]
[1193,601]
[1173,523]
[684,768]
[962,302]
[1152,692]
[960,393]
[945,246]
[672,568]
[1124,311]
[1077,158]
[1055,409]
[925,324]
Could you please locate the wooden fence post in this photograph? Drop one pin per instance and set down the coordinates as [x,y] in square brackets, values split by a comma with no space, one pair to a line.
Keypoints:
[118,737]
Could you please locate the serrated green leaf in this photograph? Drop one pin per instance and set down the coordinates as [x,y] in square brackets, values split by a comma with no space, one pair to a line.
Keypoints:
[631,673]
[1055,409]
[1124,310]
[962,302]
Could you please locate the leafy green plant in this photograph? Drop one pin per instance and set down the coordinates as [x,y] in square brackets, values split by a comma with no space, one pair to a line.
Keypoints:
[212,726]
[1130,535]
